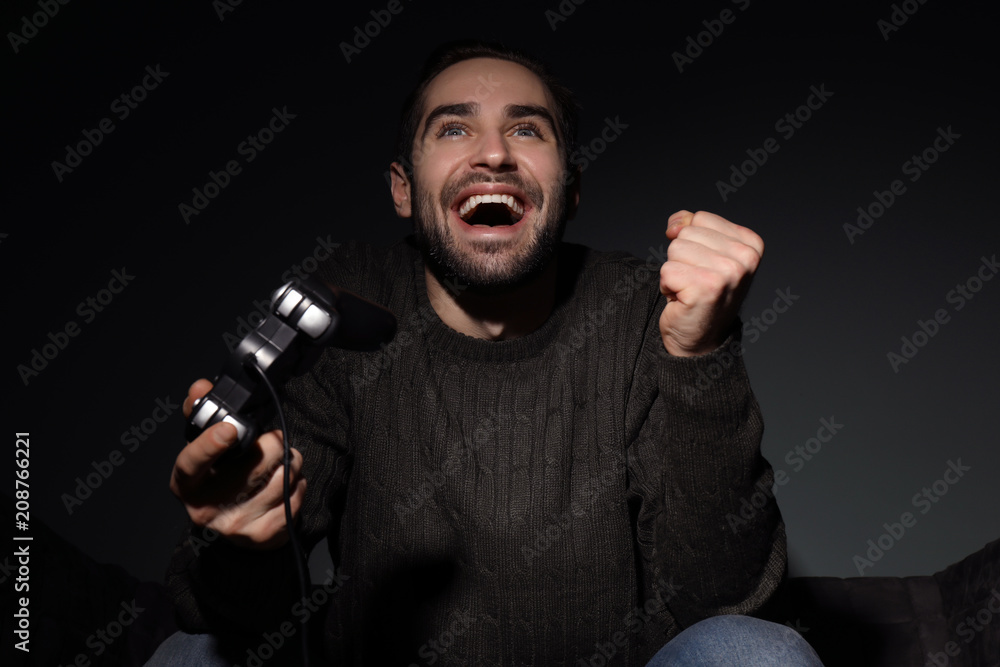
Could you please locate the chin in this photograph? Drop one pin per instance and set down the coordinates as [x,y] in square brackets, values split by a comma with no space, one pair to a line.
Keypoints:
[489,265]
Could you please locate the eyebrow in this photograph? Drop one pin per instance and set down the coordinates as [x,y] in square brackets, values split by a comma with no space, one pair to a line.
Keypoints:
[461,110]
[510,112]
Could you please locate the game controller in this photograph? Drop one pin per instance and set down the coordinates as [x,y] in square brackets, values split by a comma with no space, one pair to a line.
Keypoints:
[304,317]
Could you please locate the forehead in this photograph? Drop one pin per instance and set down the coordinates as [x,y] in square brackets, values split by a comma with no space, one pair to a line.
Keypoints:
[490,82]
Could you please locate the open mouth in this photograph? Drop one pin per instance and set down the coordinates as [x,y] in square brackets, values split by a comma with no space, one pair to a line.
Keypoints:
[491,210]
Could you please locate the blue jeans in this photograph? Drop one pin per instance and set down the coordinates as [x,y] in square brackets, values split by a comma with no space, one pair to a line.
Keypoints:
[720,641]
[736,641]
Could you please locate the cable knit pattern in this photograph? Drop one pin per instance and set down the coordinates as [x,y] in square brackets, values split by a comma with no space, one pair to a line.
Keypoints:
[522,502]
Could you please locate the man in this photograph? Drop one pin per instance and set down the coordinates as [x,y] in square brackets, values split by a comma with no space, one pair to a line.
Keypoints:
[535,470]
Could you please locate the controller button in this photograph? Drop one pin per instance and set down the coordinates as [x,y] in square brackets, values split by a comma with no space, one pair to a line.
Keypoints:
[241,429]
[288,303]
[314,321]
[204,411]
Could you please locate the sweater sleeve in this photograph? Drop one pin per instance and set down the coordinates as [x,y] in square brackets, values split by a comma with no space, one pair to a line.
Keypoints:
[710,534]
[218,586]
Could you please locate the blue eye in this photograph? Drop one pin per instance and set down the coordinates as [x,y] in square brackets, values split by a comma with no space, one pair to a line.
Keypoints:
[452,131]
[530,130]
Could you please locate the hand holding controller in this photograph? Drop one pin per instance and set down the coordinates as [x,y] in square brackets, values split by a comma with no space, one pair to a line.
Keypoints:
[241,498]
[302,319]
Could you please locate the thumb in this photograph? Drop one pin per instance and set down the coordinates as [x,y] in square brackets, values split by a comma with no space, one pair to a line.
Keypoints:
[677,222]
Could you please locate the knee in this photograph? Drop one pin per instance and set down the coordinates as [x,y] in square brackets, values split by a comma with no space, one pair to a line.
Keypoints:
[182,648]
[748,630]
[739,640]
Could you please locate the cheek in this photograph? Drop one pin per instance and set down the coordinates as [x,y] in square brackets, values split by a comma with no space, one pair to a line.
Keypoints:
[436,169]
[547,170]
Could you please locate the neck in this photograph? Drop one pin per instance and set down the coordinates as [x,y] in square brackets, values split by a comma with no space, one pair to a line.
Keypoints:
[499,316]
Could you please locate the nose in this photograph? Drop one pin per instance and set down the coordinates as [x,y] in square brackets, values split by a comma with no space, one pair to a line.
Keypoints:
[493,153]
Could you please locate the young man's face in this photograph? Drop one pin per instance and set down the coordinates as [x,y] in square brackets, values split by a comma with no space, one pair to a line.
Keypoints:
[488,130]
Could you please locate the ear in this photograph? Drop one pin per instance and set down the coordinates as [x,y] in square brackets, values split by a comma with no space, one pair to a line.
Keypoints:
[573,194]
[401,190]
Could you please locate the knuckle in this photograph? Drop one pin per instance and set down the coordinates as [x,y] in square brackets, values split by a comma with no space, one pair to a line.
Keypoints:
[732,269]
[747,256]
[202,517]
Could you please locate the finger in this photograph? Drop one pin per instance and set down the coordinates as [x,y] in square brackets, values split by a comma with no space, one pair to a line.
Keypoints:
[271,448]
[687,283]
[682,219]
[678,221]
[271,525]
[730,270]
[264,476]
[198,389]
[195,461]
[255,500]
[273,493]
[717,242]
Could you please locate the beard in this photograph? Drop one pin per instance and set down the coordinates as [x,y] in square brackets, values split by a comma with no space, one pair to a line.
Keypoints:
[490,265]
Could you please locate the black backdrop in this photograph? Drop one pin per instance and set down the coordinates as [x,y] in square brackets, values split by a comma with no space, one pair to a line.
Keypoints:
[170,286]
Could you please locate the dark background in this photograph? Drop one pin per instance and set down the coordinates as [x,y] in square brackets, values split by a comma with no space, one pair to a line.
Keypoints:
[323,178]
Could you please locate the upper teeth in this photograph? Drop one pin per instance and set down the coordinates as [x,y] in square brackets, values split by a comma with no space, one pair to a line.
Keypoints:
[475,200]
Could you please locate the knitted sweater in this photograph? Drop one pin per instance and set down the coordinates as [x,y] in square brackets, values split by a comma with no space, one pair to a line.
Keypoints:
[537,501]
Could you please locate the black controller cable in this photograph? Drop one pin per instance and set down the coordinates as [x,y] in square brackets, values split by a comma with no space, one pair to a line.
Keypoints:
[251,362]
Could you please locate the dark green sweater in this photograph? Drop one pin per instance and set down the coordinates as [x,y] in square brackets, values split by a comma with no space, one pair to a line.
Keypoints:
[532,501]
